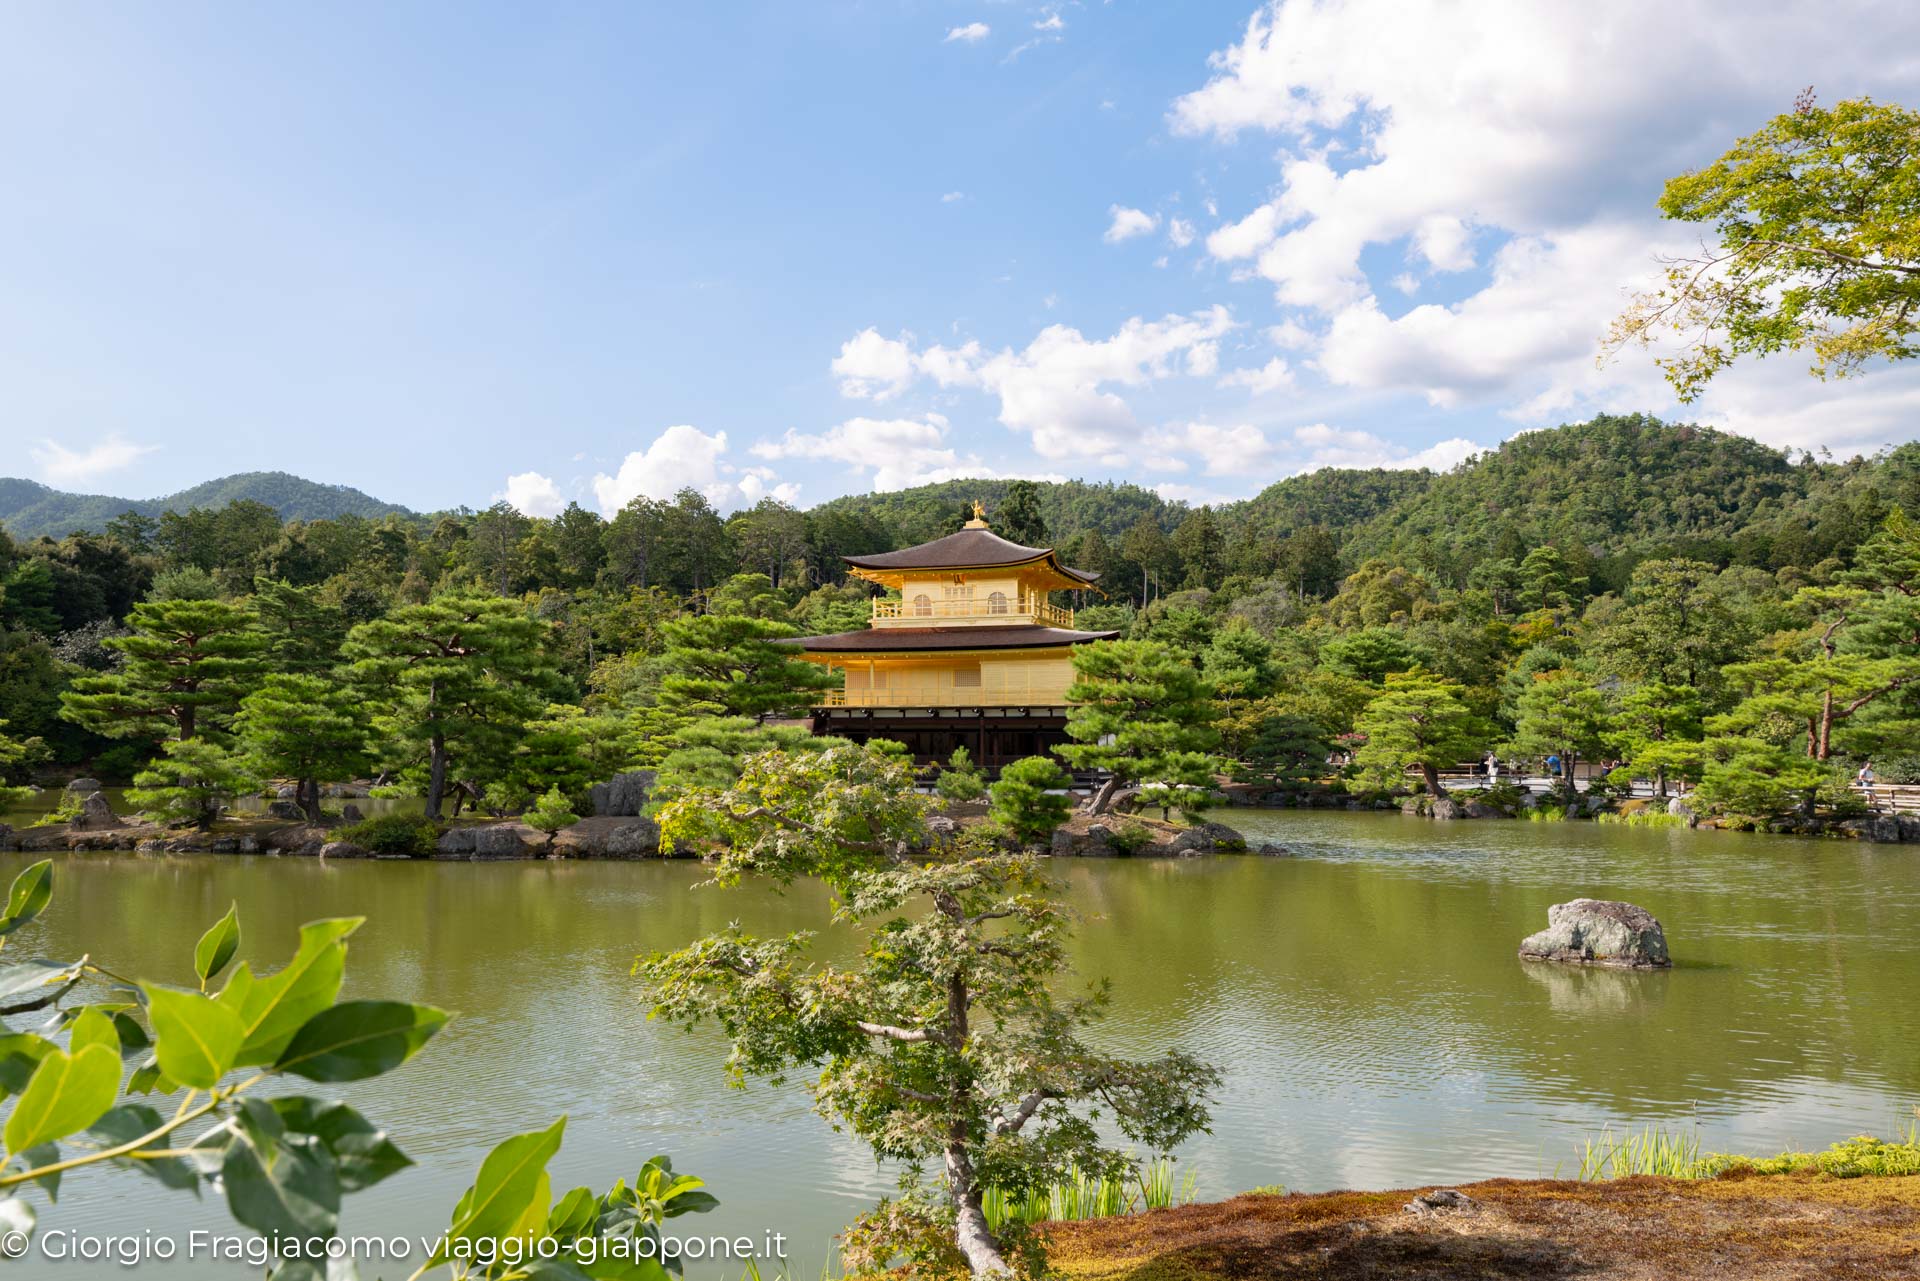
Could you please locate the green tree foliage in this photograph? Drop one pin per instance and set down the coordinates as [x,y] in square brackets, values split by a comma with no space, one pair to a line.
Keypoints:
[1751,776]
[304,631]
[1418,721]
[708,752]
[1676,626]
[1141,713]
[1370,654]
[944,1041]
[310,729]
[1658,729]
[1814,218]
[735,663]
[190,781]
[15,755]
[1285,751]
[1202,547]
[1561,713]
[553,812]
[453,682]
[961,780]
[188,662]
[1030,799]
[1019,519]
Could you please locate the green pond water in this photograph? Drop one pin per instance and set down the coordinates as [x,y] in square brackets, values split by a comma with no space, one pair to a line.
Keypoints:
[1363,999]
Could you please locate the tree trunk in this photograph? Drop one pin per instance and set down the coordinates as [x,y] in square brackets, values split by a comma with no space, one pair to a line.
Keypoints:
[1660,782]
[1824,747]
[970,1230]
[436,775]
[1104,797]
[1432,777]
[1571,789]
[307,792]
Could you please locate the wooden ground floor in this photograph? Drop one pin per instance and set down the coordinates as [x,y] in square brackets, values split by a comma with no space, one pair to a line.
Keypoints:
[993,736]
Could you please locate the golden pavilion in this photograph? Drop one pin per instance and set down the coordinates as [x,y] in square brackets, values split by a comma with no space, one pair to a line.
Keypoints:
[972,653]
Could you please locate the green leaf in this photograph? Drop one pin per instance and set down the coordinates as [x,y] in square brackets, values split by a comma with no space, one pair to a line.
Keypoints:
[32,891]
[272,1009]
[574,1216]
[91,1027]
[35,977]
[358,1039]
[217,946]
[67,1094]
[128,1122]
[39,1156]
[149,1079]
[195,1037]
[362,1153]
[278,1183]
[132,1035]
[510,1176]
[20,1054]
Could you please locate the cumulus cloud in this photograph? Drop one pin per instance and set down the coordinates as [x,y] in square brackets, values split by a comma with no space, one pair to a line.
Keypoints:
[872,367]
[1180,232]
[60,465]
[1223,450]
[951,196]
[1052,22]
[532,494]
[684,457]
[972,33]
[1317,445]
[1272,376]
[1446,135]
[1128,223]
[899,451]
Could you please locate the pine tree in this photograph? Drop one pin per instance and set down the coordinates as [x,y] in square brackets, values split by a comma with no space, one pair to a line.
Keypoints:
[188,664]
[304,633]
[736,664]
[1420,721]
[1561,714]
[190,781]
[454,681]
[307,728]
[1030,799]
[1140,712]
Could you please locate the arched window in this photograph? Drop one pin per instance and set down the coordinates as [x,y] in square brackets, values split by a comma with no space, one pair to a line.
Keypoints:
[922,605]
[997,603]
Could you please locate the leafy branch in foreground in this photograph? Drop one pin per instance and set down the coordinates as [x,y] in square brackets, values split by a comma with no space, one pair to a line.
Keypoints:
[945,1043]
[1817,222]
[283,1163]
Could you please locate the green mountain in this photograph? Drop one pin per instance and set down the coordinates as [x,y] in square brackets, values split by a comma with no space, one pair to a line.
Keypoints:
[29,509]
[1069,506]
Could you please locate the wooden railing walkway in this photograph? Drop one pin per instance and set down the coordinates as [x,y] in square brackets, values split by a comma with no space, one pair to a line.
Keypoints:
[1882,798]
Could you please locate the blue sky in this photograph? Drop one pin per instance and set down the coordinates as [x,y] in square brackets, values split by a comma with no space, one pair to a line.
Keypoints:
[450,252]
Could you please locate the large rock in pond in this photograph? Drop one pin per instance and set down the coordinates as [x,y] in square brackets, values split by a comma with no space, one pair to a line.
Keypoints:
[624,796]
[635,837]
[287,811]
[1591,931]
[84,785]
[1207,838]
[503,840]
[1095,842]
[95,815]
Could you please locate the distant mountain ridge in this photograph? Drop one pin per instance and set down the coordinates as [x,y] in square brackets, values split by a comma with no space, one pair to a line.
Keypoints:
[29,509]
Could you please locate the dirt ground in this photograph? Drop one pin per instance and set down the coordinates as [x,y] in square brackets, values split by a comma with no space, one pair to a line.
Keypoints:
[1637,1229]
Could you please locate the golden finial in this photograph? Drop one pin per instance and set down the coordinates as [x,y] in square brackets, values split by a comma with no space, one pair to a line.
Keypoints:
[979,520]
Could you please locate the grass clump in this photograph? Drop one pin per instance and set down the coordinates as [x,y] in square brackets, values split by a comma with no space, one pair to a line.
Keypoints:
[1084,1196]
[1130,838]
[1642,818]
[414,835]
[1547,814]
[1677,1156]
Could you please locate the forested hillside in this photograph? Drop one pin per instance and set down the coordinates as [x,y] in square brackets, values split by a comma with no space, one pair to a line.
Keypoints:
[1068,507]
[31,510]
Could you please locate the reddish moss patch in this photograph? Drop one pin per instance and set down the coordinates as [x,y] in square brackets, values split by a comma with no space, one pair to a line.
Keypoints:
[1635,1229]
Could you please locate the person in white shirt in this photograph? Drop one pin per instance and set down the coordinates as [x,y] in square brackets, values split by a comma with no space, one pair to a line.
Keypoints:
[1866,778]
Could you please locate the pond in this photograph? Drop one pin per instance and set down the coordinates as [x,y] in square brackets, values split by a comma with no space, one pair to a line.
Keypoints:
[1363,999]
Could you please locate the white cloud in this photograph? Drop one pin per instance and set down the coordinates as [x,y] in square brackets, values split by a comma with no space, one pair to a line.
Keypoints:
[62,466]
[684,457]
[1271,376]
[1058,388]
[1446,134]
[1236,450]
[1052,22]
[952,196]
[1318,445]
[532,494]
[1128,223]
[899,451]
[1180,232]
[972,33]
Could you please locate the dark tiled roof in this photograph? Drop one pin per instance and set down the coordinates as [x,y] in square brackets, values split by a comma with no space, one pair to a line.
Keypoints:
[968,548]
[925,638]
